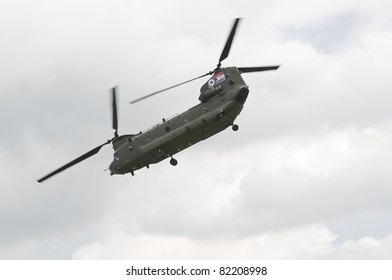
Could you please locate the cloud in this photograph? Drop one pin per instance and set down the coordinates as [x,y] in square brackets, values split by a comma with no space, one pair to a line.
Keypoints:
[365,248]
[271,184]
[307,242]
[321,178]
[290,195]
[331,35]
[270,245]
[306,176]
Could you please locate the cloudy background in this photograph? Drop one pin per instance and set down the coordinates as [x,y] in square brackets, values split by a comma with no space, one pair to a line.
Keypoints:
[307,176]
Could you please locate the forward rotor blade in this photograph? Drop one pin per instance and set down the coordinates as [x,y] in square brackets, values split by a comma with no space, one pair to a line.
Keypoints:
[226,49]
[75,161]
[257,69]
[114,111]
[162,90]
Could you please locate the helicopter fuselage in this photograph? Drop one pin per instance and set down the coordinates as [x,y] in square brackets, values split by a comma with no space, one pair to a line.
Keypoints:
[222,98]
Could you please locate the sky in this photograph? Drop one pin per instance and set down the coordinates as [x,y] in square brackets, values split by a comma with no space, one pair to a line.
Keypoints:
[307,176]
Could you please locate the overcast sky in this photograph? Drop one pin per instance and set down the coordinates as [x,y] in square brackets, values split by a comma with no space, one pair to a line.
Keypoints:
[307,176]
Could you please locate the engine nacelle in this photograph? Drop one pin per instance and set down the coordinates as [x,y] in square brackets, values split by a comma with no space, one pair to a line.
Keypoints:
[205,95]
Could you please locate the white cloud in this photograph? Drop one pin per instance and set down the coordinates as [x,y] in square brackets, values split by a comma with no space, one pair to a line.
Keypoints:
[307,242]
[365,248]
[270,210]
[311,241]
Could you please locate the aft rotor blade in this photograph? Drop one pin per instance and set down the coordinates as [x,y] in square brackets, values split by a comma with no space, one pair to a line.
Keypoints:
[114,111]
[75,161]
[162,90]
[226,49]
[257,69]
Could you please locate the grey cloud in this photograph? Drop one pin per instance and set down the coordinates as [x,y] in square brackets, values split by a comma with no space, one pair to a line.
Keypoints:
[329,34]
[59,62]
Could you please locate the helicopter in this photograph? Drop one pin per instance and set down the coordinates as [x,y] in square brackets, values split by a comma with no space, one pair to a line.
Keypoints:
[222,98]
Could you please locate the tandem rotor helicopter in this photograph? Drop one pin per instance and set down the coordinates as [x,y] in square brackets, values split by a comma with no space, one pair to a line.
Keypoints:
[221,98]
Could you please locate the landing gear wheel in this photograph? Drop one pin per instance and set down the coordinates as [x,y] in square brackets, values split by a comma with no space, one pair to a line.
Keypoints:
[173,162]
[235,127]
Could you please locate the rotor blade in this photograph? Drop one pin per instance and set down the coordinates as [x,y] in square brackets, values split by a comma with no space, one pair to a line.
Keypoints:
[226,49]
[257,69]
[114,111]
[75,161]
[162,90]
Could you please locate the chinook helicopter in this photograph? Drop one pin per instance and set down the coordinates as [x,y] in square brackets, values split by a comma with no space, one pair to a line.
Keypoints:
[221,98]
